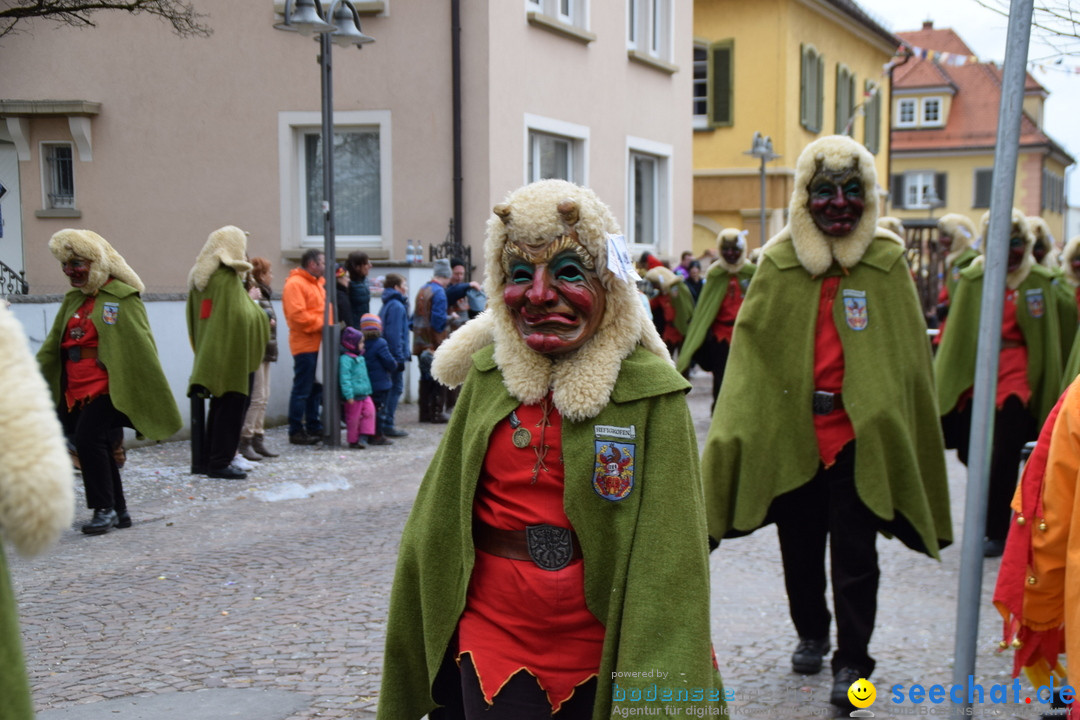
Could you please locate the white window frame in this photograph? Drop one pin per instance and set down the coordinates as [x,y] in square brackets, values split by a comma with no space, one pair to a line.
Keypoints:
[650,28]
[577,134]
[662,153]
[47,175]
[576,14]
[292,127]
[913,103]
[700,122]
[924,112]
[915,181]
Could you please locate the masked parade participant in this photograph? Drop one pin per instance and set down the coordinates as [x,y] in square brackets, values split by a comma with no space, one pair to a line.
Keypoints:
[671,304]
[956,237]
[102,365]
[832,358]
[1029,368]
[708,340]
[536,570]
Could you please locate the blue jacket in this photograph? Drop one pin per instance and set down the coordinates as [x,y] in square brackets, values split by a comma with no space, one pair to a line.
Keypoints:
[395,321]
[353,377]
[359,300]
[380,363]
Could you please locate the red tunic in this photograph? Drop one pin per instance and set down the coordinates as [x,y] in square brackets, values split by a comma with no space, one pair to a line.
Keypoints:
[834,430]
[670,334]
[85,379]
[1013,360]
[729,310]
[518,616]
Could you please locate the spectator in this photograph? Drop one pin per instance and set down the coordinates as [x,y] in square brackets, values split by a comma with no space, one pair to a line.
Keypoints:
[694,281]
[394,315]
[253,437]
[355,389]
[344,302]
[429,325]
[228,332]
[358,265]
[303,301]
[683,268]
[380,366]
[102,366]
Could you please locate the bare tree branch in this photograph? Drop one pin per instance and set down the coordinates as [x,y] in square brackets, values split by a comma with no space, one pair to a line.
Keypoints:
[1054,22]
[185,21]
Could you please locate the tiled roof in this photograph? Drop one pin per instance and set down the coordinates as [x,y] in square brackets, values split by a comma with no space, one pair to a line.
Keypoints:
[973,116]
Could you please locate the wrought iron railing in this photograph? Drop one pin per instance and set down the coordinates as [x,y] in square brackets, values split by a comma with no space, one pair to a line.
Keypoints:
[11,282]
[927,263]
[452,248]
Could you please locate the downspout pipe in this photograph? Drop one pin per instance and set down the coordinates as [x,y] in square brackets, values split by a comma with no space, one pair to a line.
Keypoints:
[455,64]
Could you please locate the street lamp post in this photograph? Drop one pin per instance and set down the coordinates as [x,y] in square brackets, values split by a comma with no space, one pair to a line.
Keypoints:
[761,147]
[338,24]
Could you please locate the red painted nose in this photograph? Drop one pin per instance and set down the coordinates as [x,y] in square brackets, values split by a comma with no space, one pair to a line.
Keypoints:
[541,292]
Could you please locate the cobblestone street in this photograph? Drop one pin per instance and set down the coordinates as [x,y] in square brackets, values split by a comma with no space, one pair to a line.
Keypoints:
[280,583]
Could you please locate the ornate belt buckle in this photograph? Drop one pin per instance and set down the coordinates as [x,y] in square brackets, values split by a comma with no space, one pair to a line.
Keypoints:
[824,402]
[550,547]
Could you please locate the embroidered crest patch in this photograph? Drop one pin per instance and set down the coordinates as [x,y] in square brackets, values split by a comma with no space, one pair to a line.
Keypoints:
[110,313]
[855,310]
[613,478]
[956,272]
[1035,302]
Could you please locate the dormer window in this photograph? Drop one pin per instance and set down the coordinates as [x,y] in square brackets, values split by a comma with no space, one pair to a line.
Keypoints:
[905,112]
[931,112]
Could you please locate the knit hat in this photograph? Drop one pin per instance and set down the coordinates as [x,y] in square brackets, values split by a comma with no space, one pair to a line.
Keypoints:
[351,339]
[442,268]
[369,322]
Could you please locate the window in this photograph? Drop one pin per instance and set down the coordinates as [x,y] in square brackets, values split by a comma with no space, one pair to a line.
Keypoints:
[714,85]
[919,190]
[554,149]
[567,12]
[872,120]
[845,101]
[931,112]
[362,179]
[905,112]
[59,176]
[983,179]
[649,28]
[1053,192]
[812,89]
[357,200]
[648,197]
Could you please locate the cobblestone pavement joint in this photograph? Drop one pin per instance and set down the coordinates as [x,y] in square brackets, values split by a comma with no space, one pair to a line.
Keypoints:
[266,598]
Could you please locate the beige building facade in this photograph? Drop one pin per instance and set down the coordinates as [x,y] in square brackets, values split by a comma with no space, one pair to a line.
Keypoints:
[154,140]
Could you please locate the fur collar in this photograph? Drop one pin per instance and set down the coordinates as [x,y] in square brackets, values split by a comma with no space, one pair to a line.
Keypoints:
[1071,249]
[1013,279]
[580,382]
[730,234]
[225,246]
[816,250]
[36,497]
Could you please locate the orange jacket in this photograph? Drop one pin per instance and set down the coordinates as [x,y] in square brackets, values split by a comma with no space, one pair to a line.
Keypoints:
[302,300]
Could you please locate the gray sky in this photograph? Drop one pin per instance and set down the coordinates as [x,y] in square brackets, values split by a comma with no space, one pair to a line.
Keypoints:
[985,31]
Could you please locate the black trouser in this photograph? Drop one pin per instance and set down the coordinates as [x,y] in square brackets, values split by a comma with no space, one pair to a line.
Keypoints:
[713,356]
[378,398]
[805,518]
[93,429]
[1013,427]
[224,423]
[521,698]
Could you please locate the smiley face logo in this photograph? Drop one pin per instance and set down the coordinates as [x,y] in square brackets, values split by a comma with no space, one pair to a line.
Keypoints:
[862,693]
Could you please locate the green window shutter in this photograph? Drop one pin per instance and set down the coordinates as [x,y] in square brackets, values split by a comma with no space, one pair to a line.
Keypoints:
[983,178]
[721,83]
[839,105]
[820,99]
[940,186]
[804,90]
[872,124]
[897,191]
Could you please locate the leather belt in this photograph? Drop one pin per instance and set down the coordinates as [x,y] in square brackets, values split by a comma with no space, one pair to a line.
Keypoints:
[727,323]
[825,402]
[1011,344]
[548,546]
[76,353]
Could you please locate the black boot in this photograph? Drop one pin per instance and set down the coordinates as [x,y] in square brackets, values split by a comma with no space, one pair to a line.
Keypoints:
[424,400]
[103,521]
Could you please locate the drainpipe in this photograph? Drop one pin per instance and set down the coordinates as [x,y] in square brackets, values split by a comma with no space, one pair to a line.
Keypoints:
[455,64]
[888,157]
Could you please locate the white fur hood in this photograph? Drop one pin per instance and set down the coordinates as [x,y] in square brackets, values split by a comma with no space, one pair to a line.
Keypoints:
[225,246]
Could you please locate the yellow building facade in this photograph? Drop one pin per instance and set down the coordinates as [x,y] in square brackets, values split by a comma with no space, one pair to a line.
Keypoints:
[791,70]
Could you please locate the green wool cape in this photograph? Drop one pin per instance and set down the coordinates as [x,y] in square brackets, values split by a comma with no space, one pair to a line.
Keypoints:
[958,265]
[1037,316]
[646,556]
[708,305]
[228,332]
[683,302]
[137,384]
[762,444]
